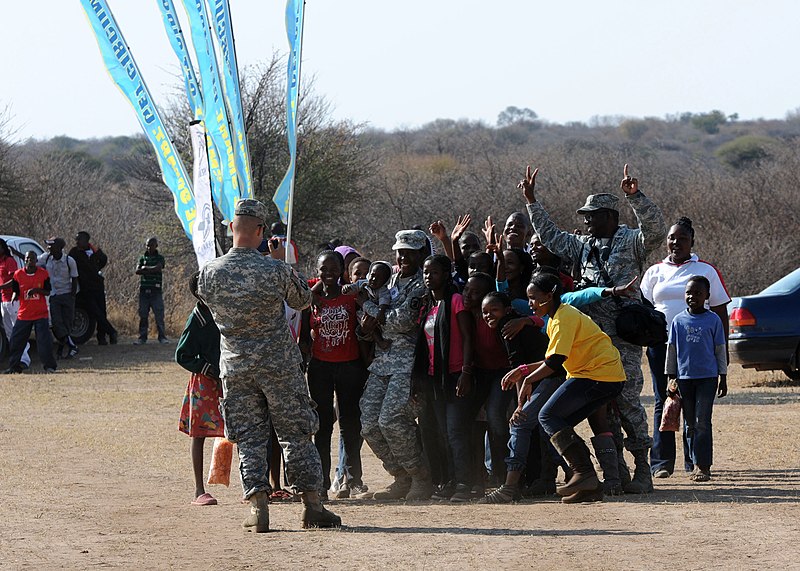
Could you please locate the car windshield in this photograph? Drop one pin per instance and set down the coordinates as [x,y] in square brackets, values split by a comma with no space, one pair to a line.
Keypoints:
[786,284]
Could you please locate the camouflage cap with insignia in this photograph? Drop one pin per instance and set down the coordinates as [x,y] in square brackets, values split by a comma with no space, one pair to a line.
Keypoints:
[252,207]
[602,201]
[409,240]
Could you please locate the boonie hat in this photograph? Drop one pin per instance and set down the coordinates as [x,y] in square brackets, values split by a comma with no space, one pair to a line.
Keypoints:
[53,241]
[251,207]
[409,240]
[602,201]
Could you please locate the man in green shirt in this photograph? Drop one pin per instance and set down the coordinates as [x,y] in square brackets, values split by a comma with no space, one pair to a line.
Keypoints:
[149,271]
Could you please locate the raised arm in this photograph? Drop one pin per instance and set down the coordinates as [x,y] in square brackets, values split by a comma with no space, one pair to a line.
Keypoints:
[554,239]
[652,226]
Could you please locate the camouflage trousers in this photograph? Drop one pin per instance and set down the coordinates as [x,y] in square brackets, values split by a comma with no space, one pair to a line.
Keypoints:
[250,400]
[629,414]
[388,422]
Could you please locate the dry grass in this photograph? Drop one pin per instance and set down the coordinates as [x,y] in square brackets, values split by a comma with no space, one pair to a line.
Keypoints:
[95,474]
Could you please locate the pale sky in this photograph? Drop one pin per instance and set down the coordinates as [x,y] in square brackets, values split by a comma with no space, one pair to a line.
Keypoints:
[396,64]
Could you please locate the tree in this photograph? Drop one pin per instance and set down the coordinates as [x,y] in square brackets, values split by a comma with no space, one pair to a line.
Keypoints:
[746,150]
[709,122]
[511,115]
[11,190]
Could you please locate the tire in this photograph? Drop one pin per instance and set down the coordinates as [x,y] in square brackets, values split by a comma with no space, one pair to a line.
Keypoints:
[3,347]
[83,326]
[793,375]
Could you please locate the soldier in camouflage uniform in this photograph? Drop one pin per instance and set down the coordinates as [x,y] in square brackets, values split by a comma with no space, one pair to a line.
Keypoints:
[624,253]
[387,411]
[260,367]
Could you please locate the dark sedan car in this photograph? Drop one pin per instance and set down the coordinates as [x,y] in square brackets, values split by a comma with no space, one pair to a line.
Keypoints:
[765,328]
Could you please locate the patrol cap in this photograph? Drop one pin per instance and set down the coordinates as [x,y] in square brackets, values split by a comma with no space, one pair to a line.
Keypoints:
[409,240]
[602,201]
[251,207]
[54,241]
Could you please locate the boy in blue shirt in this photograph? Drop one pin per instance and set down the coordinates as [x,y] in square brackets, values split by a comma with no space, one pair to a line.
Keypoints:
[696,357]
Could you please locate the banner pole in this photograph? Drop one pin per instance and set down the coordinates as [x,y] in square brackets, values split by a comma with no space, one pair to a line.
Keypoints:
[294,170]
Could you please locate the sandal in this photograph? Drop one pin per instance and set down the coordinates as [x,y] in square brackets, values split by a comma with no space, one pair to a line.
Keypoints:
[502,495]
[204,500]
[280,496]
[701,476]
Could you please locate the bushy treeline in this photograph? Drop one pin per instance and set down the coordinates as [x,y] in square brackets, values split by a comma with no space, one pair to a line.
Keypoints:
[737,180]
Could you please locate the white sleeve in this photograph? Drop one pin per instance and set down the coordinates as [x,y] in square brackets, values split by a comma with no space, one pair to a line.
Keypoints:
[718,295]
[646,284]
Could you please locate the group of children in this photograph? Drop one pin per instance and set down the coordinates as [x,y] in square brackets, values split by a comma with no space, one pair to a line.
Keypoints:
[505,367]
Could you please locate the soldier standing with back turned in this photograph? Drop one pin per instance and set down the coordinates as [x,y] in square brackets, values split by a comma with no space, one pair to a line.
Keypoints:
[260,368]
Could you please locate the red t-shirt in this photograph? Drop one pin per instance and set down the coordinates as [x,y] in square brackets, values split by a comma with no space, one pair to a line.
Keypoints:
[456,350]
[334,323]
[489,351]
[33,306]
[7,268]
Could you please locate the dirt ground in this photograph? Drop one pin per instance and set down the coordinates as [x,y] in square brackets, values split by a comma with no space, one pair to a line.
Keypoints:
[95,474]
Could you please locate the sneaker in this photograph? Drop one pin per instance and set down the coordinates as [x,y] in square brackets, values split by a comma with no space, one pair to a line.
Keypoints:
[112,338]
[72,352]
[49,370]
[102,341]
[164,341]
[13,370]
[444,491]
[463,493]
[661,473]
[140,342]
[358,489]
[343,492]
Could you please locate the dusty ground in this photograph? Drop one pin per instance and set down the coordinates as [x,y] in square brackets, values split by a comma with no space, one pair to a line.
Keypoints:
[94,474]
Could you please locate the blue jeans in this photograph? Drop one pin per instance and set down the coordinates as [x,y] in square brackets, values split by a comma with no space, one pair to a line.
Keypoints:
[455,416]
[662,454]
[497,401]
[574,401]
[698,396]
[151,297]
[346,380]
[521,432]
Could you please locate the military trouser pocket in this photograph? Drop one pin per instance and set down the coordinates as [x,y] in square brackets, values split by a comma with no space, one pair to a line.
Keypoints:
[303,417]
[230,434]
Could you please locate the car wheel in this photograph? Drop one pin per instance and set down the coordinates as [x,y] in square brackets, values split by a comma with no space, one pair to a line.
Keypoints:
[83,326]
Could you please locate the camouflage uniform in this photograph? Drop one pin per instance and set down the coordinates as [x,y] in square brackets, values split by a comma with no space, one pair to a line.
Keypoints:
[387,413]
[261,365]
[630,248]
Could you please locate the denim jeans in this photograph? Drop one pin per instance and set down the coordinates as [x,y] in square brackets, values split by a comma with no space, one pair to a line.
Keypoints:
[521,432]
[662,454]
[346,380]
[574,401]
[433,433]
[455,416]
[151,298]
[497,401]
[697,396]
[44,342]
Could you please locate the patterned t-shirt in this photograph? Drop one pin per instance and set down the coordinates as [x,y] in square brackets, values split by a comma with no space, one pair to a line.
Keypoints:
[334,325]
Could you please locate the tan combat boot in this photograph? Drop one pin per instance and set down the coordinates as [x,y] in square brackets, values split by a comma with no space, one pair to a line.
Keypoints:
[421,484]
[315,514]
[258,520]
[397,490]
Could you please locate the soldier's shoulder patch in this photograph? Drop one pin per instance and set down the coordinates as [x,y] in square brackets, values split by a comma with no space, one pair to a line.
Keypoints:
[416,303]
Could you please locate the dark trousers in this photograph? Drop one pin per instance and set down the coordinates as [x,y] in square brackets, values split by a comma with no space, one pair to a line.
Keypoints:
[345,380]
[151,298]
[454,418]
[497,403]
[574,401]
[662,454]
[95,303]
[697,398]
[44,342]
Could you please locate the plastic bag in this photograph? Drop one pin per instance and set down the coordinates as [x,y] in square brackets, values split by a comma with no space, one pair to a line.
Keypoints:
[671,416]
[221,460]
